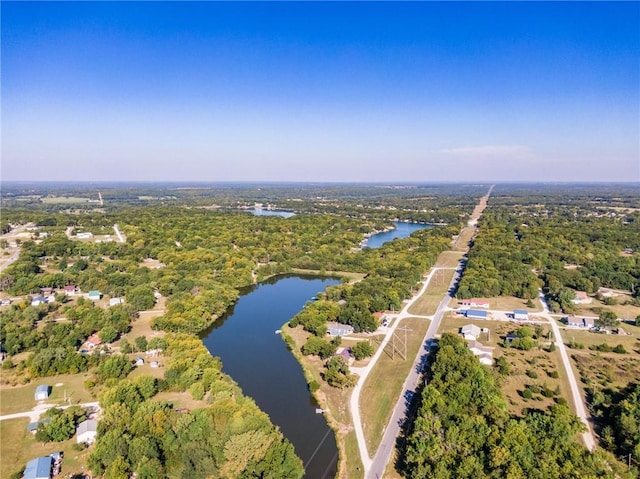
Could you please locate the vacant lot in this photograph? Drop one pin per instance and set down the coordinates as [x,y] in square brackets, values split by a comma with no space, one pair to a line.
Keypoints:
[626,311]
[61,200]
[426,304]
[384,383]
[21,398]
[449,259]
[590,338]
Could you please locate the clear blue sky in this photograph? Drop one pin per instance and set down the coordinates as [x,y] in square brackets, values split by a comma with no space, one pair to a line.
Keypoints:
[321,91]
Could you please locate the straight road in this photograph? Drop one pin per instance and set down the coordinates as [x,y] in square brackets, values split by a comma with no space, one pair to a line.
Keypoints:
[388,443]
[35,413]
[375,468]
[581,411]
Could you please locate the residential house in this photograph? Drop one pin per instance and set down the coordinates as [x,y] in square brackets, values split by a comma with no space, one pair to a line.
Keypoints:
[115,301]
[84,235]
[70,289]
[470,332]
[484,353]
[608,293]
[42,392]
[345,353]
[520,314]
[573,321]
[92,341]
[95,295]
[39,468]
[337,329]
[46,291]
[475,303]
[38,300]
[581,297]
[475,313]
[87,431]
[589,323]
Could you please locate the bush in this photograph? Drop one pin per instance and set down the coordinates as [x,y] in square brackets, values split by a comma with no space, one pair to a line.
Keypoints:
[532,374]
[553,374]
[619,349]
[197,391]
[527,394]
[314,386]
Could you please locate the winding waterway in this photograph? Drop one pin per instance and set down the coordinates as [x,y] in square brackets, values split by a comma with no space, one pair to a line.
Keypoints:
[259,361]
[402,230]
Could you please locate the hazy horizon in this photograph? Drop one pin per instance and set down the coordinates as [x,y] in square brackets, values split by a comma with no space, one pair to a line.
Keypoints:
[339,92]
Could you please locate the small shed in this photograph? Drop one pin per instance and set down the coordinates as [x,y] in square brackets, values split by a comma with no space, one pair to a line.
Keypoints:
[39,468]
[115,301]
[95,295]
[42,392]
[476,313]
[520,314]
[139,361]
[87,431]
[337,329]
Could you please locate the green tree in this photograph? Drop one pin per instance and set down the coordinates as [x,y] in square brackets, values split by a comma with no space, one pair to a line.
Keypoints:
[361,350]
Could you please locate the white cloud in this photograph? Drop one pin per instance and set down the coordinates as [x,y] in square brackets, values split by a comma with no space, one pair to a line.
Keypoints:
[516,152]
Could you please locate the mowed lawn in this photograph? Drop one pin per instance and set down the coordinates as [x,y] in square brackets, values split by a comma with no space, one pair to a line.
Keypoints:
[18,447]
[449,259]
[426,304]
[384,383]
[21,398]
[631,341]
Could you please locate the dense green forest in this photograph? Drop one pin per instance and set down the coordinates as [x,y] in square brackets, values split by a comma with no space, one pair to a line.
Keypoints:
[197,259]
[514,253]
[463,429]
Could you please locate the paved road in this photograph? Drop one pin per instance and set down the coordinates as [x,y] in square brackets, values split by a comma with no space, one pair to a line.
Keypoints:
[35,413]
[388,443]
[121,238]
[12,259]
[581,411]
[364,372]
[375,468]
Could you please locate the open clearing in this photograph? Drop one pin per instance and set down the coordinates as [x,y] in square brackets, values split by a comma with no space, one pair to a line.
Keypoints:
[21,398]
[449,259]
[426,304]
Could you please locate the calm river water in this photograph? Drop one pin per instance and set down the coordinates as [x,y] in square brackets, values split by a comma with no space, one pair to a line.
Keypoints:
[259,361]
[402,230]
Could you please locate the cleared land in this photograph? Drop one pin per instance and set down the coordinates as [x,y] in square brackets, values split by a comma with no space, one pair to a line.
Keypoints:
[352,277]
[20,398]
[626,311]
[384,383]
[427,304]
[449,259]
[630,341]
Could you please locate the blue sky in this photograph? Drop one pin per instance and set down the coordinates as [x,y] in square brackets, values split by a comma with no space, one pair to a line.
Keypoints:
[338,91]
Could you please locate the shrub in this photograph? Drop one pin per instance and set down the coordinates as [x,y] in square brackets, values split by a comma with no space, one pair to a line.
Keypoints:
[532,374]
[527,394]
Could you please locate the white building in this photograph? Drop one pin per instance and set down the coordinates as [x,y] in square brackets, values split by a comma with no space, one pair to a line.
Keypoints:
[470,332]
[87,431]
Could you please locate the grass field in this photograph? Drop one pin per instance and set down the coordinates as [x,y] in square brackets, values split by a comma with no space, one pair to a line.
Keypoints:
[630,342]
[63,200]
[384,383]
[626,311]
[426,304]
[449,259]
[20,398]
[15,453]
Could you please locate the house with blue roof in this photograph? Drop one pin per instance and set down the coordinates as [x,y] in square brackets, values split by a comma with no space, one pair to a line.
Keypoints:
[475,313]
[520,314]
[39,468]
